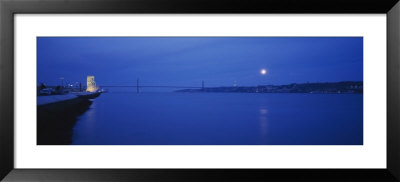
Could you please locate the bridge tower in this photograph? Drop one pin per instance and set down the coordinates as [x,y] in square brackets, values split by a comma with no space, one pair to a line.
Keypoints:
[91,84]
[202,85]
[137,85]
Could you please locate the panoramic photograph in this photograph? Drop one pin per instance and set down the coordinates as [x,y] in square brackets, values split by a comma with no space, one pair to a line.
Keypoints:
[199,91]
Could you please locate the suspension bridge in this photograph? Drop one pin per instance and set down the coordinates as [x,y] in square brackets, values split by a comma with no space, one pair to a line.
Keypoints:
[138,86]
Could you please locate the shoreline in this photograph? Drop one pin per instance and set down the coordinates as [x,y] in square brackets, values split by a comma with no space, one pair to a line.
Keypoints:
[56,120]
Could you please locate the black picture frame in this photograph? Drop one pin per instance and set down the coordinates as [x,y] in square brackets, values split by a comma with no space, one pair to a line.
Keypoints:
[8,8]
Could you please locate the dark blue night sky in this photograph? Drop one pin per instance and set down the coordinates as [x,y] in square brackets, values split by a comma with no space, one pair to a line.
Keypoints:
[219,61]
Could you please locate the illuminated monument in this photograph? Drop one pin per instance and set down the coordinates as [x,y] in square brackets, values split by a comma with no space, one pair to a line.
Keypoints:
[91,84]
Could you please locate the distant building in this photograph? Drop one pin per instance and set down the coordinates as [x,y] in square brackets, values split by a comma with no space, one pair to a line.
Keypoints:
[91,84]
[235,84]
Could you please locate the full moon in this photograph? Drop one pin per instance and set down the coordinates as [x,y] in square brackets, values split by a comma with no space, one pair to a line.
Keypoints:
[263,71]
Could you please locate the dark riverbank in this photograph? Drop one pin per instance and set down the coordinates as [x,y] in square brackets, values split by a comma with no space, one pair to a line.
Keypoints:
[319,88]
[56,120]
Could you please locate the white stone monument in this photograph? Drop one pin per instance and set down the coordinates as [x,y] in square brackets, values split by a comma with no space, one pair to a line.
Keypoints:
[91,84]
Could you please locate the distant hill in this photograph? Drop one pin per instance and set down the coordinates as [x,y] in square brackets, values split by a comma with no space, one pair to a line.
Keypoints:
[328,87]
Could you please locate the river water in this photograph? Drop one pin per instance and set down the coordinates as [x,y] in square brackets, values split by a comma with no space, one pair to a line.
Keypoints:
[221,119]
